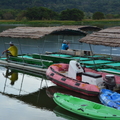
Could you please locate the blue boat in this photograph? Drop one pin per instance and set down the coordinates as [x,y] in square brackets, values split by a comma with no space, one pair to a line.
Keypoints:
[110,98]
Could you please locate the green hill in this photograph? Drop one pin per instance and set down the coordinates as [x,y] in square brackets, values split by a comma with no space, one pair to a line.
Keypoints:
[105,6]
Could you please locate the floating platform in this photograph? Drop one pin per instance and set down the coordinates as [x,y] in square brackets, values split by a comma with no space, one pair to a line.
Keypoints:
[96,62]
[23,66]
[110,70]
[113,65]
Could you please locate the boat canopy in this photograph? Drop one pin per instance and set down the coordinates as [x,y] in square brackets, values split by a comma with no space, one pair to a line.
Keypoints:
[39,32]
[107,37]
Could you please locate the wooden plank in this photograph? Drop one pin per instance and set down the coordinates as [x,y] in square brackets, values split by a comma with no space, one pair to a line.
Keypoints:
[24,67]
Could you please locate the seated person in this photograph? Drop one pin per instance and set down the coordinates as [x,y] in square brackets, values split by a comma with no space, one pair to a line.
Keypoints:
[11,51]
[65,45]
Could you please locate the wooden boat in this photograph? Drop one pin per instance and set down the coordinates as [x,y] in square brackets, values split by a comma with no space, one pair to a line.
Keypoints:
[69,76]
[86,108]
[28,59]
[65,58]
[110,98]
[56,58]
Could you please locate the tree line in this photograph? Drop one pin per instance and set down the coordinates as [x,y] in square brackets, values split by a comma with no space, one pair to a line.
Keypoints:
[43,13]
[91,6]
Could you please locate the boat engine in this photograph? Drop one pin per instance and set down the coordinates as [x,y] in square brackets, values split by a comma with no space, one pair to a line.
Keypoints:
[109,81]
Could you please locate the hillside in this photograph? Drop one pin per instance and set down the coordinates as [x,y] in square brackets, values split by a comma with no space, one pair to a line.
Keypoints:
[105,6]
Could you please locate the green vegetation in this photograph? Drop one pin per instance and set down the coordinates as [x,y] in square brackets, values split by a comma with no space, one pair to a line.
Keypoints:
[72,14]
[88,6]
[98,16]
[42,13]
[99,23]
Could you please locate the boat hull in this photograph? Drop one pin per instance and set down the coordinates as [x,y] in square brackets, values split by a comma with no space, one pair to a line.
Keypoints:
[110,98]
[86,108]
[53,73]
[27,59]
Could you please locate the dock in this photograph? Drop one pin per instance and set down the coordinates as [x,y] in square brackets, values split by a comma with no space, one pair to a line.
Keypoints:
[23,67]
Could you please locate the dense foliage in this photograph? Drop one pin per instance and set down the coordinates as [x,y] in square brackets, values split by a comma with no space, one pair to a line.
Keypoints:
[105,6]
[98,16]
[72,14]
[40,13]
[59,9]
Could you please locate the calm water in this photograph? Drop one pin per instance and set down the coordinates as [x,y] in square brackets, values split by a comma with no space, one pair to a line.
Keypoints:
[30,96]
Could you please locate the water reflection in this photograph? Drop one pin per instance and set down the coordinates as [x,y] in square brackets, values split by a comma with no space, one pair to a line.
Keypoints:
[38,99]
[12,75]
[27,96]
[17,82]
[53,89]
[60,112]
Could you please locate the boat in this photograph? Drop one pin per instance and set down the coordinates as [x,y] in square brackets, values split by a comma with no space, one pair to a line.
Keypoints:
[28,59]
[73,77]
[110,98]
[56,58]
[86,108]
[66,55]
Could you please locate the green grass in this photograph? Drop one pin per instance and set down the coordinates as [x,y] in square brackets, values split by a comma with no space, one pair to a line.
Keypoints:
[58,22]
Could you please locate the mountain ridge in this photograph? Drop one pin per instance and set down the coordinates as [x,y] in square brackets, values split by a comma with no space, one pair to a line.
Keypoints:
[88,6]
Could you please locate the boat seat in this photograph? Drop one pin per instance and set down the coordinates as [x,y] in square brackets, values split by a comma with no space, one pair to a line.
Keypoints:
[94,75]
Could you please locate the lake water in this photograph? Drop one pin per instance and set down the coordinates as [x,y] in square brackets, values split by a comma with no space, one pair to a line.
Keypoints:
[29,97]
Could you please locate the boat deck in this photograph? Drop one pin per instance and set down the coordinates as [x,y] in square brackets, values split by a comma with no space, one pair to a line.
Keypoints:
[27,63]
[113,65]
[92,62]
[27,67]
[32,61]
[110,70]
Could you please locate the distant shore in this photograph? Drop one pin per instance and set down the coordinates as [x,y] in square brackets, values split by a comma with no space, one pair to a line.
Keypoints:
[99,23]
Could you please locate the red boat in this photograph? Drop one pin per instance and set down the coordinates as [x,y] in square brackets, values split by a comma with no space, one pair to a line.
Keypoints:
[69,76]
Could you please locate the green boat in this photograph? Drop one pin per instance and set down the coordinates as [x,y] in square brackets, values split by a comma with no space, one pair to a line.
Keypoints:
[86,108]
[56,58]
[27,59]
[59,58]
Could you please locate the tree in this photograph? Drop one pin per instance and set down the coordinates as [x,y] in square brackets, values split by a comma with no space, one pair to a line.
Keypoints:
[21,15]
[72,14]
[98,16]
[8,14]
[40,13]
[1,15]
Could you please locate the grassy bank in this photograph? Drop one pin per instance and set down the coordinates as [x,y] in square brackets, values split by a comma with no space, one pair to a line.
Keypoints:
[57,22]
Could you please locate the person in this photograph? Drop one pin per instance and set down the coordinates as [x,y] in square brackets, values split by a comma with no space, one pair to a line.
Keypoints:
[12,75]
[11,51]
[65,45]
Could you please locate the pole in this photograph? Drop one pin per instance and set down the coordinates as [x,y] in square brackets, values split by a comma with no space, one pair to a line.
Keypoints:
[92,56]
